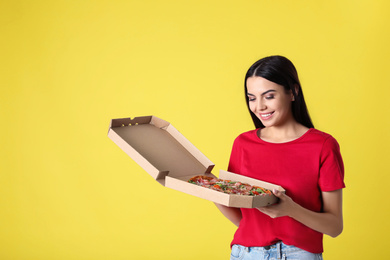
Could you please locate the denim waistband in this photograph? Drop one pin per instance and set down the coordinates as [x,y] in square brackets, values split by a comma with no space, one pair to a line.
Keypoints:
[278,250]
[277,246]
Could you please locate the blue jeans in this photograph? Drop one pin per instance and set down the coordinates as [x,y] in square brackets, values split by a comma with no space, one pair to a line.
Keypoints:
[275,252]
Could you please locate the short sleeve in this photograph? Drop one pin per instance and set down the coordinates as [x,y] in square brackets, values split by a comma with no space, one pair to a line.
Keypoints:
[235,157]
[331,175]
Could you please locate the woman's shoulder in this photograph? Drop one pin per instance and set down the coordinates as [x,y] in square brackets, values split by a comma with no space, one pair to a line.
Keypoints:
[248,135]
[319,133]
[321,136]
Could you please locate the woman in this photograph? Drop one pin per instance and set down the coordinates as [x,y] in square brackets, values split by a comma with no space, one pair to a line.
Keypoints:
[285,149]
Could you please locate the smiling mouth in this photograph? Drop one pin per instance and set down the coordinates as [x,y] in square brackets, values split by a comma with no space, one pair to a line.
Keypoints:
[266,116]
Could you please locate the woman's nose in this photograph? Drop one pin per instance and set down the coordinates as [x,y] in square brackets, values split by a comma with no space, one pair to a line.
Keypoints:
[261,105]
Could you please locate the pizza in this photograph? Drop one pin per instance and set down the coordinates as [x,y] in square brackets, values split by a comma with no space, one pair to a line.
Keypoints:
[228,186]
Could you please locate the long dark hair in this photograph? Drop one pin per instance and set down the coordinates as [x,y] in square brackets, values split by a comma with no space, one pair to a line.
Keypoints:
[280,70]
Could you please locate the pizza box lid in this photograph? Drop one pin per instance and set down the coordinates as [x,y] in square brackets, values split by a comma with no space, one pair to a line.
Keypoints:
[158,147]
[172,160]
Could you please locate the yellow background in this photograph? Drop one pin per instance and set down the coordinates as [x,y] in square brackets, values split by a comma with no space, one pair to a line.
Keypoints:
[68,67]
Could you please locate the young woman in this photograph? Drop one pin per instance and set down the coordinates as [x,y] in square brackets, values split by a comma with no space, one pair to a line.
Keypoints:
[287,150]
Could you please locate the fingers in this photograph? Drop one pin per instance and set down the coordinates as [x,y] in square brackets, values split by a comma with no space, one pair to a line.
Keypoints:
[278,193]
[264,211]
[268,212]
[260,209]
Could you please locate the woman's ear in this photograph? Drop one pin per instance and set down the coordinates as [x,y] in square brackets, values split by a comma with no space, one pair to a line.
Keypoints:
[295,91]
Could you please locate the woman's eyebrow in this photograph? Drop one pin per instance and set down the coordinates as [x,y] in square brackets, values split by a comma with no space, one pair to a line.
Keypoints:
[262,94]
[271,90]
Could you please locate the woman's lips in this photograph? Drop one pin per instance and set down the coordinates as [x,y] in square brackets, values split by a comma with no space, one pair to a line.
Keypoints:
[266,116]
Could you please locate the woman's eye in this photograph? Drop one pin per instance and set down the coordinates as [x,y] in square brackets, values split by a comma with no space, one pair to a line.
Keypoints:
[251,99]
[269,97]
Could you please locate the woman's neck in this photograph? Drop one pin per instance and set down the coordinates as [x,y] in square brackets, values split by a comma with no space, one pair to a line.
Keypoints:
[282,134]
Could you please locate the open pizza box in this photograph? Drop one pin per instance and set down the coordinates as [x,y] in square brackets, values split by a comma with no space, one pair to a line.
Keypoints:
[172,160]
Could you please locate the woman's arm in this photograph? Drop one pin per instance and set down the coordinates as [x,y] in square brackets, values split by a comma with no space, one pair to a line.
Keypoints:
[233,214]
[329,221]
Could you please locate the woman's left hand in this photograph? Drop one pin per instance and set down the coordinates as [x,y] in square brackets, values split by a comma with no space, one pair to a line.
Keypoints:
[329,221]
[283,208]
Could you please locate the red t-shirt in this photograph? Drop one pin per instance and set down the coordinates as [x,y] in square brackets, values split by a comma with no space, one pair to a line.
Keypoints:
[303,167]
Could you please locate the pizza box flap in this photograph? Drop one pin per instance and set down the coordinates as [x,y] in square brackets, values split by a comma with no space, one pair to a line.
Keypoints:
[158,147]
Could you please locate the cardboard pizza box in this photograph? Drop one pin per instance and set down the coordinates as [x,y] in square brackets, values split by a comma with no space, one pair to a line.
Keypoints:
[164,153]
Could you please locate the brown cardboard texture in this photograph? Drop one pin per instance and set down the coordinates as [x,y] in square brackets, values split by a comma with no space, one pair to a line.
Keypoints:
[172,160]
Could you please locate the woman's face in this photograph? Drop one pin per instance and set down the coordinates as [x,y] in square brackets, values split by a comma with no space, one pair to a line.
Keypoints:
[269,102]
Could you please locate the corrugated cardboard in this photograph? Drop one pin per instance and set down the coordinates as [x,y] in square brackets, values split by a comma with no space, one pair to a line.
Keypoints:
[172,160]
